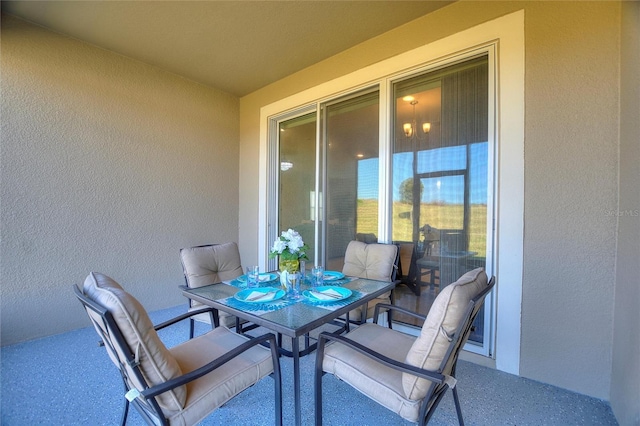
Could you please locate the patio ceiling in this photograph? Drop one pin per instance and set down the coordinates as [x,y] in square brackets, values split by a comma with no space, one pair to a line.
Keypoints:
[235,46]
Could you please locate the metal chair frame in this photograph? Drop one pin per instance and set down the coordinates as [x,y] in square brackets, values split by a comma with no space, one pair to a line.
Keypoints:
[439,381]
[146,403]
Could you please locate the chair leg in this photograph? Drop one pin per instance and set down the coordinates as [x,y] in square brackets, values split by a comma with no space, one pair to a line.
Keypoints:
[277,378]
[125,413]
[457,402]
[390,312]
[318,384]
[215,319]
[192,324]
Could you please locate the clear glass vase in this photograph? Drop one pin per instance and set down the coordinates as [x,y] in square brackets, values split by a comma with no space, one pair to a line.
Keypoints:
[286,267]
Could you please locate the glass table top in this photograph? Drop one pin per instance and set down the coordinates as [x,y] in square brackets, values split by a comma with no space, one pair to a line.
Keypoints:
[289,317]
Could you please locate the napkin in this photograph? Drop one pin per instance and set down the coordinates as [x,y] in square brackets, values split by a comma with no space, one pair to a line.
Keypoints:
[264,277]
[258,296]
[329,294]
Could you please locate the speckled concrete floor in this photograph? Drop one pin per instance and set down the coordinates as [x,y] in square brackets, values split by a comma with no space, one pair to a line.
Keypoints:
[68,380]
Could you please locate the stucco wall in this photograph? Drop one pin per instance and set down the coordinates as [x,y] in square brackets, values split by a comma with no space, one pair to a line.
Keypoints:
[625,374]
[571,143]
[108,165]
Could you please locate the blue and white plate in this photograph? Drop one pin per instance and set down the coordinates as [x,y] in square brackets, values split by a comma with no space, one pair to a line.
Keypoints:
[265,277]
[332,275]
[327,294]
[259,295]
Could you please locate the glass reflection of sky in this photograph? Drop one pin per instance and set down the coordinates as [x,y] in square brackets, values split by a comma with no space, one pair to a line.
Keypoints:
[449,189]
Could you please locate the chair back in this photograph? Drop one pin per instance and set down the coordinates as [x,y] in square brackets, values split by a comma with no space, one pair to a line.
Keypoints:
[131,342]
[210,264]
[374,261]
[445,331]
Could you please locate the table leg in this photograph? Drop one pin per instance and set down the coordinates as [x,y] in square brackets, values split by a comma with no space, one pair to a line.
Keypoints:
[296,380]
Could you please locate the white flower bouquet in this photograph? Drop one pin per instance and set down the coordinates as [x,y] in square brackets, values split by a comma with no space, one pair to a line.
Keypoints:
[289,246]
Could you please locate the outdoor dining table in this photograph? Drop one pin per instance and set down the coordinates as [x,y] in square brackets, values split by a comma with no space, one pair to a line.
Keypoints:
[288,316]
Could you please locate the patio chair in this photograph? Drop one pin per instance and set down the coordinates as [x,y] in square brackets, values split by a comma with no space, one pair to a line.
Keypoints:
[211,264]
[375,261]
[183,384]
[409,375]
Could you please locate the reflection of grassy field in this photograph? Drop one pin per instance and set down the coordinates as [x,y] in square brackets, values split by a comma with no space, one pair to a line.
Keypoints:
[447,216]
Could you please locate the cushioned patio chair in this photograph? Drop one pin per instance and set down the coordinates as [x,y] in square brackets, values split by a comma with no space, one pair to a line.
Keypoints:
[183,384]
[211,264]
[375,261]
[406,374]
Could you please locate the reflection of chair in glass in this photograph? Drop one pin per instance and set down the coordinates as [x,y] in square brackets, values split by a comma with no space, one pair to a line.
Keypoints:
[406,374]
[446,256]
[366,238]
[174,385]
[429,263]
[407,271]
[373,261]
[210,264]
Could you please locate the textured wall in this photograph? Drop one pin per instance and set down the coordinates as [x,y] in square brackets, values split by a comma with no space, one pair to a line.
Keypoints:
[572,52]
[625,374]
[571,168]
[110,165]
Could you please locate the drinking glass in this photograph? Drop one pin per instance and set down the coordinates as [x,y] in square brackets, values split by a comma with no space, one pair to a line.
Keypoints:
[317,275]
[252,276]
[293,279]
[303,271]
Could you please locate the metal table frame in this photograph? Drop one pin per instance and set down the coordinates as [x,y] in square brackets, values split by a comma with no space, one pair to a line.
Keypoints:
[293,321]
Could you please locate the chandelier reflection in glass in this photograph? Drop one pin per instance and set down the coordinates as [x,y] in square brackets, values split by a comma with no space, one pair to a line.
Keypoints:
[410,128]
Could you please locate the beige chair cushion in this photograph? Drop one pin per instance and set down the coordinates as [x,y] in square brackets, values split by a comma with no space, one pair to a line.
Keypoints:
[214,389]
[209,265]
[373,261]
[442,321]
[156,362]
[379,382]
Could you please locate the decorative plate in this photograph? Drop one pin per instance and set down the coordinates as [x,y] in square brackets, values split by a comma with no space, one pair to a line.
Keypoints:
[332,275]
[265,277]
[259,295]
[327,294]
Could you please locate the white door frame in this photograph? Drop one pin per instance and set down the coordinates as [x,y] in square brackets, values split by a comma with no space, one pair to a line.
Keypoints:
[507,34]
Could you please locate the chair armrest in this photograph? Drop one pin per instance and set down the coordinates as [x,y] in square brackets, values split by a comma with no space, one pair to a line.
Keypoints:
[182,317]
[216,363]
[434,376]
[396,308]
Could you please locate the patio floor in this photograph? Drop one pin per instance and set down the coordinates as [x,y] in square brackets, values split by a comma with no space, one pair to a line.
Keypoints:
[68,379]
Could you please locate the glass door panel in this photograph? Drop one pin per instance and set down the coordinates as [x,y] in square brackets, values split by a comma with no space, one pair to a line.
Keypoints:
[351,145]
[439,187]
[297,178]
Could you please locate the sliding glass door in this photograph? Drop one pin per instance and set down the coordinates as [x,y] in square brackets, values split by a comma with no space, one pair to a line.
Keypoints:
[440,180]
[430,193]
